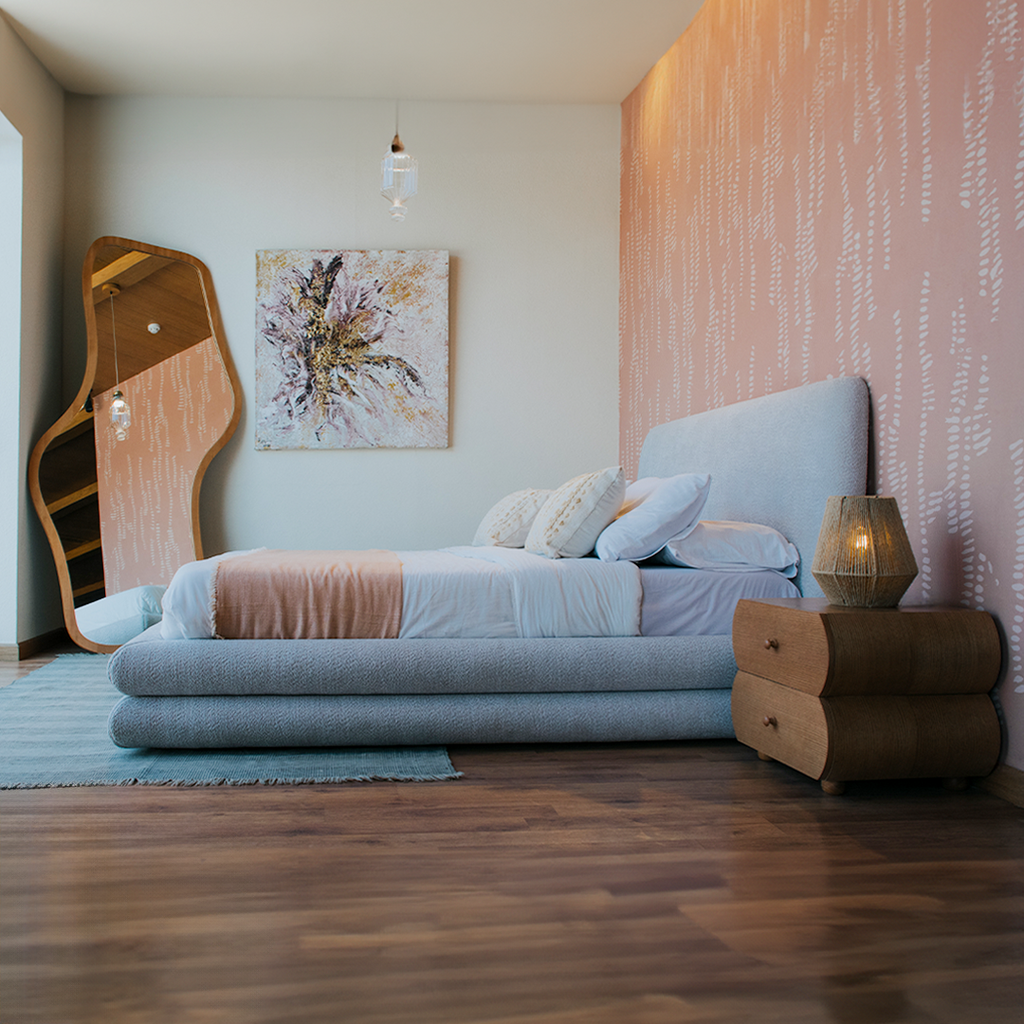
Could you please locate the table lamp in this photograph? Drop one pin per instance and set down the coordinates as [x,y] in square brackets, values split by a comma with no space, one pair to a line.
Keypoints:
[863,558]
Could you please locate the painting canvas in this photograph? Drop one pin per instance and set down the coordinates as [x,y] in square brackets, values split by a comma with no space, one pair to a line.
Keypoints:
[351,349]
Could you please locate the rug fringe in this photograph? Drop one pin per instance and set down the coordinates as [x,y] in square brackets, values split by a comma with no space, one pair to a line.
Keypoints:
[329,780]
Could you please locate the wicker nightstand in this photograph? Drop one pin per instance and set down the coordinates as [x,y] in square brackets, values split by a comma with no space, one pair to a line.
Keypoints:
[867,693]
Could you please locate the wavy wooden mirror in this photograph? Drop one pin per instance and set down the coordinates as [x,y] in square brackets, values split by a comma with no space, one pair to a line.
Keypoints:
[122,514]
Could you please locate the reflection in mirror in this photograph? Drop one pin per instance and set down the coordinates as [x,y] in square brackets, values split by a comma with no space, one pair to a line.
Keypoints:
[119,501]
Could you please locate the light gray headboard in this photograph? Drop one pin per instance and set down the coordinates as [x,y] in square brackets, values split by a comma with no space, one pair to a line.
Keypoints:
[773,460]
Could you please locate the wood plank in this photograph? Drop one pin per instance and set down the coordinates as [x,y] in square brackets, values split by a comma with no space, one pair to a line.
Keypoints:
[561,884]
[126,270]
[81,549]
[88,491]
[88,588]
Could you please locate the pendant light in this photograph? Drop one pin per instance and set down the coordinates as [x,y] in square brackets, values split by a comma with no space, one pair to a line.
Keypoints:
[398,172]
[120,413]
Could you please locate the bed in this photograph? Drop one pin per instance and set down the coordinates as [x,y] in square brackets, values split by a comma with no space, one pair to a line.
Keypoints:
[771,461]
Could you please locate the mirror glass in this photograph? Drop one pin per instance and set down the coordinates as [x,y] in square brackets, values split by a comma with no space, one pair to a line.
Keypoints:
[119,495]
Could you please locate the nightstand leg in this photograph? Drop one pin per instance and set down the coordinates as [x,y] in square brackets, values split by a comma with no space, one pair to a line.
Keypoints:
[833,788]
[765,757]
[955,785]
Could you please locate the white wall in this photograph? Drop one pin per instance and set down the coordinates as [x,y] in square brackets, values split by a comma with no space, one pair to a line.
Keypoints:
[10,353]
[525,198]
[32,104]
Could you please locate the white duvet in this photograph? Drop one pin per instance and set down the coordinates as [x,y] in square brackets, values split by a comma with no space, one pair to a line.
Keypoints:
[464,592]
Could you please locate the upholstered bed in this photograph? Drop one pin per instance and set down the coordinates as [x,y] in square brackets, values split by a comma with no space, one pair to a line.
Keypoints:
[772,461]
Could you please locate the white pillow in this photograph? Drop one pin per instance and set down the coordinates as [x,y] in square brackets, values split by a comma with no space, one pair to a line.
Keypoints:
[637,492]
[671,508]
[733,547]
[508,522]
[574,516]
[119,617]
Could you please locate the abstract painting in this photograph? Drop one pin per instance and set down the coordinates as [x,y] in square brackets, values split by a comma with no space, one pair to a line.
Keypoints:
[351,349]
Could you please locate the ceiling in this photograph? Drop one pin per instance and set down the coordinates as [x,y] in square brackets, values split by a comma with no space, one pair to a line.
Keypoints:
[521,51]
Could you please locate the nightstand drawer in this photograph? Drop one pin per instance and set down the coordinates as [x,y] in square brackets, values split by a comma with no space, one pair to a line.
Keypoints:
[867,737]
[780,723]
[827,650]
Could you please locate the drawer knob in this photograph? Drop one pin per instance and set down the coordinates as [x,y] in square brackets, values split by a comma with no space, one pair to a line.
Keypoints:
[769,720]
[771,644]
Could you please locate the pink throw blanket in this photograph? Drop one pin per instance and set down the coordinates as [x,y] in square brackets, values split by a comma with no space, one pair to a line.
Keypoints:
[293,595]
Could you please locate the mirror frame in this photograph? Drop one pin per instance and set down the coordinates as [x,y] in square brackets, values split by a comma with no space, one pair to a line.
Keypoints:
[78,419]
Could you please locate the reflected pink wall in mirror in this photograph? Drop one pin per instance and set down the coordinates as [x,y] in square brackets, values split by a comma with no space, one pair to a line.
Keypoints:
[180,408]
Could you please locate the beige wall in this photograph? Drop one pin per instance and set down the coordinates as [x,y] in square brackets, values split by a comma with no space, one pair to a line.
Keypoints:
[33,103]
[834,188]
[525,199]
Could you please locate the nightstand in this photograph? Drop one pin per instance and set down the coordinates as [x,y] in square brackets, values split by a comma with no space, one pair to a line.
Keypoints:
[842,694]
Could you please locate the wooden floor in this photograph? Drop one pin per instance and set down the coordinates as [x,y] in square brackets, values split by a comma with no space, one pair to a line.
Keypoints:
[620,884]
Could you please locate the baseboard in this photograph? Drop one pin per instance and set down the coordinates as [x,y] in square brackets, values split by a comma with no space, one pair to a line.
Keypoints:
[35,645]
[1005,782]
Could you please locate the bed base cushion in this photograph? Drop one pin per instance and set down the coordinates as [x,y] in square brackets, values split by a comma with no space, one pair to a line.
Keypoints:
[242,668]
[339,721]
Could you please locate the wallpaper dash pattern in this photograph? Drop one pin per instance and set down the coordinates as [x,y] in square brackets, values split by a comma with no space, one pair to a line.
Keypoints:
[812,189]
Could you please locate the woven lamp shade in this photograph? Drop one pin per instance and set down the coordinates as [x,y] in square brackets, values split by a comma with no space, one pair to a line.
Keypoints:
[863,558]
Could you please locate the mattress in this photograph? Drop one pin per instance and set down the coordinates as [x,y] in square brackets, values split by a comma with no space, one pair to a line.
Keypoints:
[464,592]
[701,602]
[489,593]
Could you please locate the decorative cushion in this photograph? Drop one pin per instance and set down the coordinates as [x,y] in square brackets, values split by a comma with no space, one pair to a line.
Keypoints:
[573,517]
[732,547]
[508,522]
[663,509]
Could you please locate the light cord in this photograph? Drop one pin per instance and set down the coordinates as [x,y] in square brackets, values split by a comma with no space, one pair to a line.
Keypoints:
[113,331]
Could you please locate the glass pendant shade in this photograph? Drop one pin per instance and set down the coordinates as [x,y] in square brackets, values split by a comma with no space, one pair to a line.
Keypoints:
[863,558]
[398,177]
[120,416]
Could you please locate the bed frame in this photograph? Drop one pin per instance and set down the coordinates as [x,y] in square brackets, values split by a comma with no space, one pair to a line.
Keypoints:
[773,460]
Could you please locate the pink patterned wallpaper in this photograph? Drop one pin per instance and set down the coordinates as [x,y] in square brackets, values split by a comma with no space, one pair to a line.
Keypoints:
[813,188]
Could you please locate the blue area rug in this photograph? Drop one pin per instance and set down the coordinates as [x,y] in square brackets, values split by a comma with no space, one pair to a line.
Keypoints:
[53,732]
